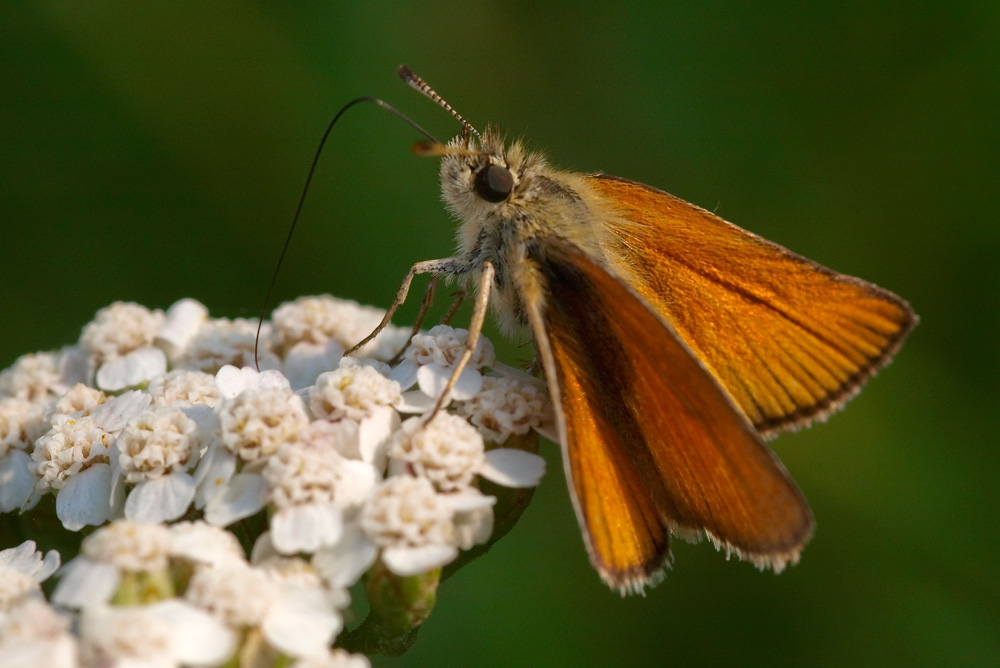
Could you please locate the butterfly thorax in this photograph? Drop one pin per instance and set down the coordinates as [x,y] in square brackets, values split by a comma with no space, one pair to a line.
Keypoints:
[543,203]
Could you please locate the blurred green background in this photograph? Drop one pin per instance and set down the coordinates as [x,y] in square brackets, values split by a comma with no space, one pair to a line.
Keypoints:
[157,150]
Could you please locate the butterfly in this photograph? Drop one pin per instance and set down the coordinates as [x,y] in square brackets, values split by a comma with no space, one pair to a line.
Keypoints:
[673,344]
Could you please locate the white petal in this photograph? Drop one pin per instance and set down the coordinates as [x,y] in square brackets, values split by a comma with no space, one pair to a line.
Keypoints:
[360,479]
[374,434]
[433,378]
[405,373]
[469,499]
[263,549]
[213,472]
[343,564]
[306,528]
[244,495]
[183,321]
[513,468]
[76,365]
[116,502]
[232,381]
[161,500]
[302,622]
[271,378]
[205,417]
[416,402]
[115,413]
[200,639]
[406,561]
[85,499]
[25,558]
[473,527]
[16,480]
[470,383]
[203,544]
[49,565]
[138,367]
[84,583]
[306,361]
[549,430]
[32,501]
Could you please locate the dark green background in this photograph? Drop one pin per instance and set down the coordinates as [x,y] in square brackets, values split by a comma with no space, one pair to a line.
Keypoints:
[150,151]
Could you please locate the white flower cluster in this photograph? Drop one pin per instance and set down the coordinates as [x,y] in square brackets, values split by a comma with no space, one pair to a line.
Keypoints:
[155,428]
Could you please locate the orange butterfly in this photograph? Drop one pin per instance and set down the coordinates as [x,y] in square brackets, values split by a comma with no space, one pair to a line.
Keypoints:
[672,342]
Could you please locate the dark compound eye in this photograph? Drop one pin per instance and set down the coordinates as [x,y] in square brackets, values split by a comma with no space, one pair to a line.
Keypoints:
[494,183]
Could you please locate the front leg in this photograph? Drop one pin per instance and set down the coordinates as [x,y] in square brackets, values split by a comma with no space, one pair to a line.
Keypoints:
[472,340]
[450,266]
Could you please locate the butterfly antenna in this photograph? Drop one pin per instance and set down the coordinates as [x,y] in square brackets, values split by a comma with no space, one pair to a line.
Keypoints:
[312,170]
[410,77]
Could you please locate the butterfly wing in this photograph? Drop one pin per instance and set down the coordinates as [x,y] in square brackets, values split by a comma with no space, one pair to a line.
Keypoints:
[651,443]
[789,339]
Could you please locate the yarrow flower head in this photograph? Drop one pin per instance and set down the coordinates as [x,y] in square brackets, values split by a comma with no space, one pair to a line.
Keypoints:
[257,422]
[21,422]
[163,634]
[220,342]
[106,556]
[324,319]
[293,617]
[22,570]
[450,452]
[412,523]
[68,448]
[130,546]
[35,377]
[33,633]
[353,391]
[311,486]
[155,429]
[73,458]
[120,329]
[430,360]
[184,387]
[444,345]
[155,452]
[17,477]
[507,405]
[24,423]
[155,443]
[78,401]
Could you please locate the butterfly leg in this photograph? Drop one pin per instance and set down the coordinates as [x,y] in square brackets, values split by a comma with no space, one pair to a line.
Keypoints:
[460,296]
[424,306]
[475,329]
[437,267]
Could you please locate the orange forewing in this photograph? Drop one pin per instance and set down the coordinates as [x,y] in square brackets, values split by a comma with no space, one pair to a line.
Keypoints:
[651,441]
[788,338]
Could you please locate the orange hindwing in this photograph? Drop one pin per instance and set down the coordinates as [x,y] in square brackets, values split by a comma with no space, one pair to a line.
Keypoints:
[652,443]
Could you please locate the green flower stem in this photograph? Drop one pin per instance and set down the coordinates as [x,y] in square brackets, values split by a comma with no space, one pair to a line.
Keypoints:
[399,605]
